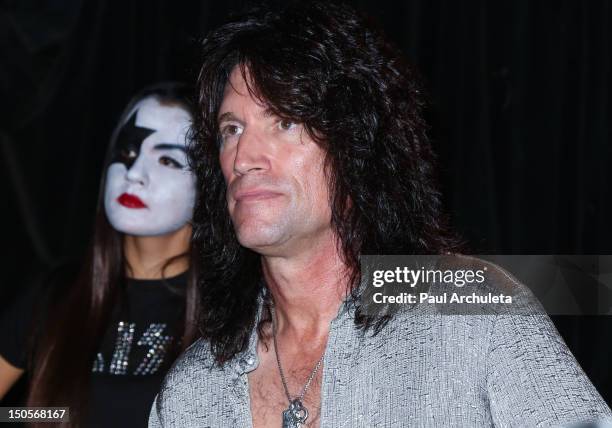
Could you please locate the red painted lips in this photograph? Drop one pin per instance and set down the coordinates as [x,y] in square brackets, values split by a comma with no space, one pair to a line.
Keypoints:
[130,201]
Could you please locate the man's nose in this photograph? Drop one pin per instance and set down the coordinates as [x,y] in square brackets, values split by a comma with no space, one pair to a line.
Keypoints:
[251,153]
[137,172]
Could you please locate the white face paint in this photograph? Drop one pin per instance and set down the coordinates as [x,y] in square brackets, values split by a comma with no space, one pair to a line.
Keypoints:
[149,191]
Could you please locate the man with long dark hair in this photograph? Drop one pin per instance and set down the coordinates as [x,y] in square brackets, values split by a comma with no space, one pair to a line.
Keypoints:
[312,151]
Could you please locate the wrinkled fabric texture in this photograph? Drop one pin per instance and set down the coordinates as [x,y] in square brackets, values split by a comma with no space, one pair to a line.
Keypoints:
[424,369]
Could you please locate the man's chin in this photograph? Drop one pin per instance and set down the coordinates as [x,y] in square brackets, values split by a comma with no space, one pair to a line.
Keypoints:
[258,240]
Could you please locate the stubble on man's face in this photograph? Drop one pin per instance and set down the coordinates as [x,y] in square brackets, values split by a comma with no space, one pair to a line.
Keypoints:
[277,193]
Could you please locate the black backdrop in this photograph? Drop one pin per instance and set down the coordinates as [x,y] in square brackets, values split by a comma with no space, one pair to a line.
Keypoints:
[520,112]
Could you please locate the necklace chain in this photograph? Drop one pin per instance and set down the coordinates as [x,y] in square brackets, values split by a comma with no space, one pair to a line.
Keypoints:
[313,373]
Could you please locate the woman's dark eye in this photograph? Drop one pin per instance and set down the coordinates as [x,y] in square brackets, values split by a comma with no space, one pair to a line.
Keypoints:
[128,154]
[168,161]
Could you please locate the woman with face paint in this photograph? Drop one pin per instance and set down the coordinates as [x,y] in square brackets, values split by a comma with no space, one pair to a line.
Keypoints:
[102,344]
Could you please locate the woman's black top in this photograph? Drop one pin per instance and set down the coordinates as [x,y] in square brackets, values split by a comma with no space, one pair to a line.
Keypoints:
[133,357]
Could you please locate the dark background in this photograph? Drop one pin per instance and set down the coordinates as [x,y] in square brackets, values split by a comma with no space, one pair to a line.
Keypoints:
[520,113]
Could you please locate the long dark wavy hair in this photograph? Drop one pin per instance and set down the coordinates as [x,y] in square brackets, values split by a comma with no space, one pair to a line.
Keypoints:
[325,66]
[76,322]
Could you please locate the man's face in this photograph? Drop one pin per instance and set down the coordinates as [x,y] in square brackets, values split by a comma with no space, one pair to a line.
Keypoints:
[277,194]
[149,191]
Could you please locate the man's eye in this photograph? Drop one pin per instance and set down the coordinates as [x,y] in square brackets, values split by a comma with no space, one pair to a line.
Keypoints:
[168,161]
[230,131]
[286,125]
[128,154]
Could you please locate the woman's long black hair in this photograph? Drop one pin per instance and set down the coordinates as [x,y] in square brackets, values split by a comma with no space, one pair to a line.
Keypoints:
[73,330]
[322,65]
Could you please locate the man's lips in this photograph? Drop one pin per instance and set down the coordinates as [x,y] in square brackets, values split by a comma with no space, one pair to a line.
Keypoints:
[130,201]
[252,195]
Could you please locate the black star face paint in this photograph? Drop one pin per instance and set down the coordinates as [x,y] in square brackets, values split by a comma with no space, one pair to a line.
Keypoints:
[129,140]
[149,190]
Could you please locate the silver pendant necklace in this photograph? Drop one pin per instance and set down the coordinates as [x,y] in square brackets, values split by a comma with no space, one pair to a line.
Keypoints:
[296,414]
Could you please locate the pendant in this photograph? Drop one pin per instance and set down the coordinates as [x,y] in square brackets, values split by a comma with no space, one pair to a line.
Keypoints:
[295,415]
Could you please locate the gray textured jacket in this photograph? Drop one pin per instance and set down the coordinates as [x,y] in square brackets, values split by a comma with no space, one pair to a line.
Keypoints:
[423,369]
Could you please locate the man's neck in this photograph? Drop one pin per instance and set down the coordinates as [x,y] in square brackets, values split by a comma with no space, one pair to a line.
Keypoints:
[307,289]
